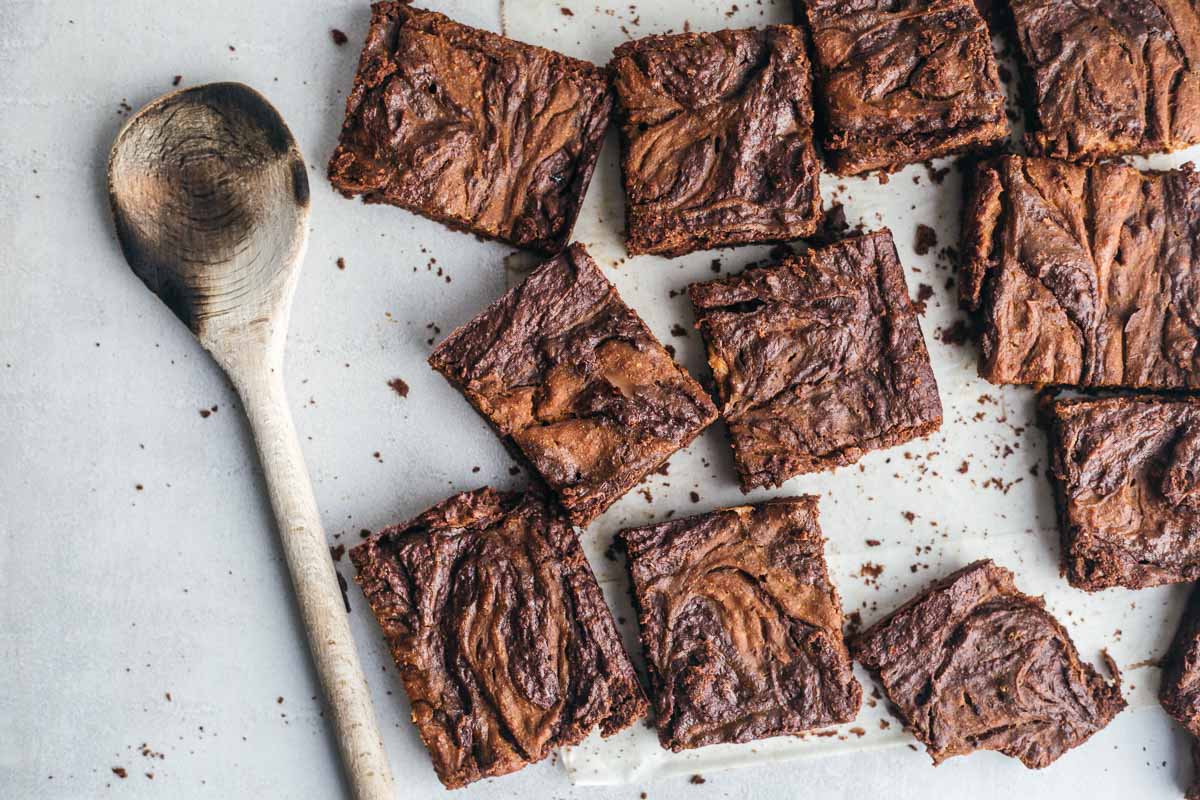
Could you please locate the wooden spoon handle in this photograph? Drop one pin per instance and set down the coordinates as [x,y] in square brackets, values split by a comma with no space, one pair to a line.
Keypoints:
[321,604]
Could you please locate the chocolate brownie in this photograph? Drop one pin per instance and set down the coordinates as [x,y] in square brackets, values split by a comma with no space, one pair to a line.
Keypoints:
[471,129]
[1084,276]
[504,643]
[741,626]
[1110,78]
[817,359]
[1179,692]
[974,664]
[716,130]
[1126,473]
[901,81]
[573,381]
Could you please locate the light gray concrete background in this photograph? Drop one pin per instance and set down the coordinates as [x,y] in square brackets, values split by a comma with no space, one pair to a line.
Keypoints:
[146,621]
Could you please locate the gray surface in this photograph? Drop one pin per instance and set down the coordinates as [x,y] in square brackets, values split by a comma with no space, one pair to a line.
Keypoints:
[116,596]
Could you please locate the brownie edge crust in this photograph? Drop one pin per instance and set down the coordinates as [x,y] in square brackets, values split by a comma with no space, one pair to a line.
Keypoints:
[501,635]
[740,624]
[1179,692]
[575,383]
[471,129]
[974,664]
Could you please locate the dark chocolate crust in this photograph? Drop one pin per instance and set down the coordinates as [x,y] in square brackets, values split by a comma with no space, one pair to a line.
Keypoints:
[1126,474]
[716,132]
[1179,692]
[495,620]
[1084,276]
[817,360]
[574,380]
[471,129]
[1110,78]
[901,81]
[974,664]
[741,626]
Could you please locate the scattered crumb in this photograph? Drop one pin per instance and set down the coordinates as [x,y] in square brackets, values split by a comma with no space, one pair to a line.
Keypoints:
[398,386]
[957,334]
[695,496]
[341,263]
[120,772]
[697,780]
[566,12]
[678,330]
[873,543]
[176,80]
[338,37]
[337,552]
[926,240]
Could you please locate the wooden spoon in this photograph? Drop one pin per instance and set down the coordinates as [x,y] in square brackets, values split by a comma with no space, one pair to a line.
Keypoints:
[210,198]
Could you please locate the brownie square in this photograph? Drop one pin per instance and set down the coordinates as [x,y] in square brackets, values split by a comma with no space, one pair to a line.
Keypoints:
[901,81]
[817,359]
[573,380]
[503,641]
[471,129]
[716,131]
[1084,276]
[741,626]
[1109,78]
[1126,474]
[1179,692]
[974,664]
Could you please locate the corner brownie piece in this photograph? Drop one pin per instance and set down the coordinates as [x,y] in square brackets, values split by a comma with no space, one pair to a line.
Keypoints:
[974,664]
[716,132]
[1126,474]
[817,360]
[1110,78]
[1084,276]
[741,626]
[471,129]
[575,382]
[901,81]
[1179,692]
[501,634]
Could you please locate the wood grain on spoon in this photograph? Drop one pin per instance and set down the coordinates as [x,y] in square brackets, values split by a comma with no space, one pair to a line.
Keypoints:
[210,199]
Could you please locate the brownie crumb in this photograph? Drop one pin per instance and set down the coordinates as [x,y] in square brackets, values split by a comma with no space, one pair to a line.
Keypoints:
[909,516]
[924,292]
[696,780]
[338,37]
[957,334]
[873,543]
[399,387]
[566,12]
[337,552]
[695,497]
[514,470]
[926,240]
[678,330]
[963,467]
[871,570]
[341,263]
[120,772]
[205,413]
[176,80]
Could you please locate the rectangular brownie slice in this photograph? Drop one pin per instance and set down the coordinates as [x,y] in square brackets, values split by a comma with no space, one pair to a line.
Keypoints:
[1179,692]
[901,81]
[1110,78]
[1084,276]
[817,359]
[741,626]
[573,380]
[1126,474]
[502,637]
[974,664]
[471,129]
[716,131]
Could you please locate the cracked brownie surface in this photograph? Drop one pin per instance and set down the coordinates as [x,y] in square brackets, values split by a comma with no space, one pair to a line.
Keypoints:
[471,129]
[716,132]
[1084,276]
[974,664]
[573,379]
[741,626]
[495,620]
[817,360]
[1110,78]
[1126,473]
[901,81]
[1179,692]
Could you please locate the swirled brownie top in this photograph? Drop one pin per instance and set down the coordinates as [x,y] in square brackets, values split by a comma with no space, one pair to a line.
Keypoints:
[1084,276]
[471,129]
[717,137]
[502,637]
[1179,692]
[900,81]
[741,626]
[974,664]
[573,379]
[817,359]
[1127,477]
[1110,78]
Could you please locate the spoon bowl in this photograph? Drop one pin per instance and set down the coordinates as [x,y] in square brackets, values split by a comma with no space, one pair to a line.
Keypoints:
[210,199]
